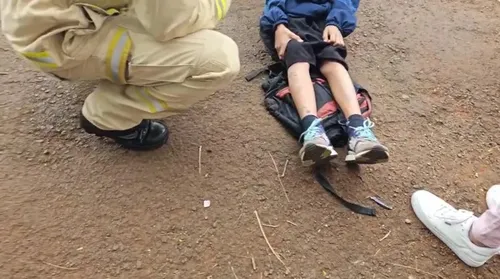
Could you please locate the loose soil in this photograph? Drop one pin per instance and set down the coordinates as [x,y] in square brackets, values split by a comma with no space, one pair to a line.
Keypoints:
[74,206]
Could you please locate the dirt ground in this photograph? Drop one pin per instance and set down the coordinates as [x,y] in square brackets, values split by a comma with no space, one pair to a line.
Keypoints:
[73,206]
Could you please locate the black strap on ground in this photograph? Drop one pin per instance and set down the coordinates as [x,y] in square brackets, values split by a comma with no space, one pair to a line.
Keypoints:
[323,181]
[276,67]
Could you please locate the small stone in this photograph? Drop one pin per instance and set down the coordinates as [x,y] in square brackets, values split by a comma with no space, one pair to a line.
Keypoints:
[138,265]
[206,203]
[193,208]
[405,97]
[214,225]
[115,247]
[408,221]
[46,152]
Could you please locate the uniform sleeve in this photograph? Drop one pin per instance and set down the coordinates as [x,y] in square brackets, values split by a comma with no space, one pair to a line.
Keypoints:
[274,15]
[343,15]
[166,20]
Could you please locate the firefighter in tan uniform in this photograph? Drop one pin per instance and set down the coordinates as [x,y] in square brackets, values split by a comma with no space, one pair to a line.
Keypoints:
[153,58]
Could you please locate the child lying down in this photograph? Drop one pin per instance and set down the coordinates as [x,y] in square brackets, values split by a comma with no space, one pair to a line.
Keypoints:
[308,36]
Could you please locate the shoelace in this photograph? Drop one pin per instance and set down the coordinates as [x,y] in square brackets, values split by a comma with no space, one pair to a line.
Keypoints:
[365,130]
[452,216]
[313,131]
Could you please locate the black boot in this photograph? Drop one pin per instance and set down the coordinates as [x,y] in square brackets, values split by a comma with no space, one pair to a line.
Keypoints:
[148,135]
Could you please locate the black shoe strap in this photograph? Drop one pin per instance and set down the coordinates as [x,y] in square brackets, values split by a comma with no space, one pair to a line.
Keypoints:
[323,181]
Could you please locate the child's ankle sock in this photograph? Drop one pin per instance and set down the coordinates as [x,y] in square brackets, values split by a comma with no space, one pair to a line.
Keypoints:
[355,120]
[307,121]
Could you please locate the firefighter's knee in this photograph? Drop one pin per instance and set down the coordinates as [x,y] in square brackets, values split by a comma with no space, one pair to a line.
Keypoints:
[220,59]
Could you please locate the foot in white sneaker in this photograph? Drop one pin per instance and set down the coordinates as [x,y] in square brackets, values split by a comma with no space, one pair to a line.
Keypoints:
[493,197]
[452,226]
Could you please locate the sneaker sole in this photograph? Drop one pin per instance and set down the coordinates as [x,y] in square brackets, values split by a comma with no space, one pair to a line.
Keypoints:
[314,154]
[447,241]
[368,157]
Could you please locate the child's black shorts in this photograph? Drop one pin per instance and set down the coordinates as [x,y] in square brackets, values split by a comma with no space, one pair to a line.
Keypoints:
[313,50]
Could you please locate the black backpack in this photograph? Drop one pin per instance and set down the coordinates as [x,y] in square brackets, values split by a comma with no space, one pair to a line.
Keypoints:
[279,103]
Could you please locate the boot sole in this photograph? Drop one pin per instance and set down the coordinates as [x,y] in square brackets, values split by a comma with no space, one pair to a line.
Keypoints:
[314,154]
[138,147]
[368,157]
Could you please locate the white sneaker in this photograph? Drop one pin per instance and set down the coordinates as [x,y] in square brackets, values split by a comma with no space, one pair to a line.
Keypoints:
[452,226]
[493,197]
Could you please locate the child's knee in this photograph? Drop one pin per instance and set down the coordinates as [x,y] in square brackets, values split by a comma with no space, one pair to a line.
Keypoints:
[329,66]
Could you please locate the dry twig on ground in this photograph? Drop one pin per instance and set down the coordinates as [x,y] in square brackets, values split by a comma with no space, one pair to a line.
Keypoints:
[199,159]
[284,169]
[279,177]
[292,223]
[269,244]
[234,273]
[60,267]
[270,226]
[386,236]
[418,270]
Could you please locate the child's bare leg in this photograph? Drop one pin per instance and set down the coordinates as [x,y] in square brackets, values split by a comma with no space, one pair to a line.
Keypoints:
[302,90]
[364,147]
[316,147]
[342,87]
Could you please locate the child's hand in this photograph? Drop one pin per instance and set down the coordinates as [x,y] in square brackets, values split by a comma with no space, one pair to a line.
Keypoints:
[282,36]
[333,36]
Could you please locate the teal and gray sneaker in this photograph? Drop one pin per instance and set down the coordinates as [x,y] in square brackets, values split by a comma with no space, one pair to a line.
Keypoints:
[363,147]
[316,148]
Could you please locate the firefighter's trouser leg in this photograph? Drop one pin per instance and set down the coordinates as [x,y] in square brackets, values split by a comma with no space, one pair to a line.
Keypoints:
[163,79]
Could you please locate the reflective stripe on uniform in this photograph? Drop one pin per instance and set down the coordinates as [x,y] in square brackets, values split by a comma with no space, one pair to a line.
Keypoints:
[112,11]
[221,8]
[117,55]
[42,59]
[155,105]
